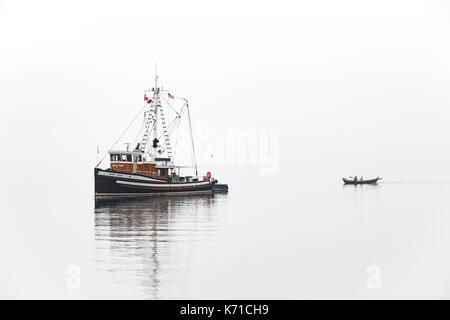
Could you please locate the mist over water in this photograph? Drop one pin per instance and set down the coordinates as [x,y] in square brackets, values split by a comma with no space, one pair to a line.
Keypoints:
[269,237]
[285,101]
[283,245]
[153,243]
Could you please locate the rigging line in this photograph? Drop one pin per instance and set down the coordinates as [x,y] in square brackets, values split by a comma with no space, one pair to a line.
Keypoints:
[176,137]
[146,145]
[192,138]
[173,127]
[170,128]
[165,131]
[168,103]
[139,132]
[120,137]
[174,122]
[150,130]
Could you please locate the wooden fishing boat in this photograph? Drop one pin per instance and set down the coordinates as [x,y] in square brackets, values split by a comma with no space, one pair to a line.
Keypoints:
[352,180]
[149,168]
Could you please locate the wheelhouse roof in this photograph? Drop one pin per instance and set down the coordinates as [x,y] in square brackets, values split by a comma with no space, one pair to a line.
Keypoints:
[139,152]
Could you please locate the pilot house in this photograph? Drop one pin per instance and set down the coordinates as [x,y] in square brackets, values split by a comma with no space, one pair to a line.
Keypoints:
[135,162]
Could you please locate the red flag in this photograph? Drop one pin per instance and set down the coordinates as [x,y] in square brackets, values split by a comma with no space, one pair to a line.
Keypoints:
[149,100]
[170,96]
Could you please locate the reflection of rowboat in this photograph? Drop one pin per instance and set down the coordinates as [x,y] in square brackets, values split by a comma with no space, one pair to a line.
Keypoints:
[353,181]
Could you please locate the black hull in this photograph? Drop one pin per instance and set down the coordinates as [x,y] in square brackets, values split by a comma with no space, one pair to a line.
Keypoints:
[371,181]
[111,184]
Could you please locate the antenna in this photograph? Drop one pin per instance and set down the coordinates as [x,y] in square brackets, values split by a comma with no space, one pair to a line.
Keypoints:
[156,75]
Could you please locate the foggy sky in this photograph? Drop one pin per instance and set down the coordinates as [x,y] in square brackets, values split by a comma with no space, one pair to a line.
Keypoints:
[346,87]
[365,84]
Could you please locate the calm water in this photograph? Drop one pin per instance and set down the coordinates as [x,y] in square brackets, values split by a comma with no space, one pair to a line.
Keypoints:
[343,88]
[313,241]
[153,244]
[299,245]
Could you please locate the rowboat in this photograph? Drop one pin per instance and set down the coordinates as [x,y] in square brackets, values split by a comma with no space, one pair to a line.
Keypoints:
[357,181]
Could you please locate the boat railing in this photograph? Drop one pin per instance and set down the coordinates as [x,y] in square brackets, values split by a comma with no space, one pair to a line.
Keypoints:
[147,174]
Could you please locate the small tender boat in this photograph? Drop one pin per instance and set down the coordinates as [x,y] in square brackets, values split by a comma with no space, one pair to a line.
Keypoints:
[220,187]
[352,180]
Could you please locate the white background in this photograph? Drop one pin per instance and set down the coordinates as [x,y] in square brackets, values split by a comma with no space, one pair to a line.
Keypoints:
[351,87]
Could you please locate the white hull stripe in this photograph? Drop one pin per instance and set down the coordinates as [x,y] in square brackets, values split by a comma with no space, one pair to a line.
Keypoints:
[124,176]
[167,185]
[153,194]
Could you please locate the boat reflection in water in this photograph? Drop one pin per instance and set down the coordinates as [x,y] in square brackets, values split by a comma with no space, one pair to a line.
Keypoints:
[151,243]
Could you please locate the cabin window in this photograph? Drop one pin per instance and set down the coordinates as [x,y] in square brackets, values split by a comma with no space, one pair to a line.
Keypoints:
[111,157]
[159,172]
[123,157]
[129,157]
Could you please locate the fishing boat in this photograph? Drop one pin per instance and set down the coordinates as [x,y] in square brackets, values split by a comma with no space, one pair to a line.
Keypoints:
[352,180]
[148,168]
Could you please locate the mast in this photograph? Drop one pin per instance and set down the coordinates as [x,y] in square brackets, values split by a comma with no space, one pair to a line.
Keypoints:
[151,125]
[150,121]
[156,75]
[155,105]
[192,137]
